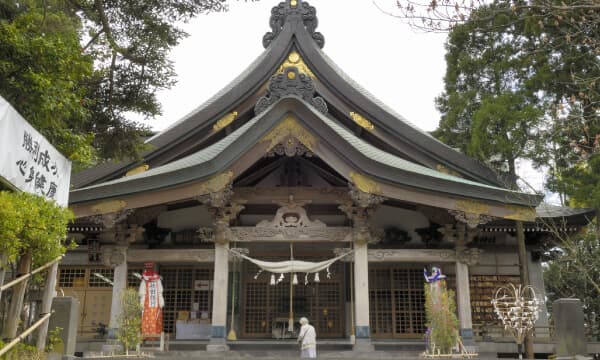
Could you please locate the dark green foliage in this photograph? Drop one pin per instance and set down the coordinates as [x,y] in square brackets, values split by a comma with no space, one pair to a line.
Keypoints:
[130,320]
[440,310]
[77,69]
[573,271]
[30,222]
[489,107]
[523,81]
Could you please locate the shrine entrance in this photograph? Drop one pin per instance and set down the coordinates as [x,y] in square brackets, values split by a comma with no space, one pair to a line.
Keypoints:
[397,302]
[265,307]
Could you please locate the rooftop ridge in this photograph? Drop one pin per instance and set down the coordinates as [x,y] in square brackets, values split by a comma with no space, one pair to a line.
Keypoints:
[293,10]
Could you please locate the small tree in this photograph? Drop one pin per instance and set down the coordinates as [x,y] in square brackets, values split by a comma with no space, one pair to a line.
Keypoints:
[130,320]
[33,230]
[442,323]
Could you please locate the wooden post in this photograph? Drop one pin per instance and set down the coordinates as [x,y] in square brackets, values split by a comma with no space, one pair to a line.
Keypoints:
[3,264]
[16,301]
[47,304]
[524,275]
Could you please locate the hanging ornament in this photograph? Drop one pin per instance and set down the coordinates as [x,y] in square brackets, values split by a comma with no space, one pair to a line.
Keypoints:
[257,274]
[281,277]
[306,279]
[295,280]
[328,273]
[272,279]
[317,278]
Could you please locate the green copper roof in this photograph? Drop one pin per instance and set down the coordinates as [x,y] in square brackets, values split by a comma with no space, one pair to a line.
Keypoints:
[206,163]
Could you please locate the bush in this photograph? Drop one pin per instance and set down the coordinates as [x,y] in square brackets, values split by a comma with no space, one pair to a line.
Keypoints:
[440,310]
[130,320]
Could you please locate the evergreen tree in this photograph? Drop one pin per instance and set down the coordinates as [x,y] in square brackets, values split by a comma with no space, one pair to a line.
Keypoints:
[75,69]
[489,109]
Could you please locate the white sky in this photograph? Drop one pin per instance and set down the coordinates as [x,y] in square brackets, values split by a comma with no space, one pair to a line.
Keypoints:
[401,67]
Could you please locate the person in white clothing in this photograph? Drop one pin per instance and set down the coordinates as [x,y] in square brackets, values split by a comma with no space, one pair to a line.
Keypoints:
[308,340]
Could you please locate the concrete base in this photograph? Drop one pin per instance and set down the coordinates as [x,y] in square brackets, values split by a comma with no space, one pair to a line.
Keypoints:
[215,348]
[363,346]
[217,344]
[110,349]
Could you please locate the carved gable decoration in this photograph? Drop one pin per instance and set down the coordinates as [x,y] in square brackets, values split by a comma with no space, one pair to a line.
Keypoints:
[296,9]
[290,82]
[291,223]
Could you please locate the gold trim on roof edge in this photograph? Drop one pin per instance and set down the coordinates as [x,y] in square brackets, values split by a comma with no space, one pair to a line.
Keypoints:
[290,127]
[365,184]
[521,213]
[361,121]
[224,121]
[294,59]
[216,183]
[472,207]
[444,170]
[108,206]
[138,170]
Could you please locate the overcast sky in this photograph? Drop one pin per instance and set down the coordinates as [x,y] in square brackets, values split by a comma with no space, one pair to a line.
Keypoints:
[401,67]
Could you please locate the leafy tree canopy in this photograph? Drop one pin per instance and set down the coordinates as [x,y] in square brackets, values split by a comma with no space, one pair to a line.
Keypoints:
[30,222]
[489,106]
[523,82]
[573,272]
[76,68]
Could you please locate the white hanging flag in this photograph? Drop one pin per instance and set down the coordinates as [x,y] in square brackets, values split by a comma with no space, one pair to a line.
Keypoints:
[28,161]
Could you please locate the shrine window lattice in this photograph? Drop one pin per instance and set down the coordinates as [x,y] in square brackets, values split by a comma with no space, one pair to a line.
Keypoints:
[180,294]
[265,307]
[73,277]
[397,299]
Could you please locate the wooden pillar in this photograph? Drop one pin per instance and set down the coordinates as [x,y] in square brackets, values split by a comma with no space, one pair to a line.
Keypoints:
[49,292]
[223,213]
[361,293]
[362,206]
[119,262]
[465,257]
[219,310]
[524,274]
[463,302]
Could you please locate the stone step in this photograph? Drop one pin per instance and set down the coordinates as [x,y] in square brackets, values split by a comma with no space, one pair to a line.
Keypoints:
[285,355]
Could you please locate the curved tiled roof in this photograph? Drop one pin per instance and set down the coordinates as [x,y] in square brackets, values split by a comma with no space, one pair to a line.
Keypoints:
[406,138]
[360,154]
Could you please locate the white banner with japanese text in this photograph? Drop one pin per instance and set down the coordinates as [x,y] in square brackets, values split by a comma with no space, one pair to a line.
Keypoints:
[28,161]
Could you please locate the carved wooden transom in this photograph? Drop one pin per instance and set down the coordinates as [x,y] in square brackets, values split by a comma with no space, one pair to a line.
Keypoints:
[291,223]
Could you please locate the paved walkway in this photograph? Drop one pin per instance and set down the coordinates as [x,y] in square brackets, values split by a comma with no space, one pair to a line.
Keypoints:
[280,355]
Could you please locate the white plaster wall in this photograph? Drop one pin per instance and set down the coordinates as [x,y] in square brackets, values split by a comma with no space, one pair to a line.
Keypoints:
[407,220]
[182,219]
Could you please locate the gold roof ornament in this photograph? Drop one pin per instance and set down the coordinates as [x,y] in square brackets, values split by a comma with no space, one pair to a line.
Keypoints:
[362,121]
[109,206]
[138,170]
[365,183]
[224,121]
[444,170]
[293,3]
[294,59]
[521,213]
[216,183]
[473,207]
[290,128]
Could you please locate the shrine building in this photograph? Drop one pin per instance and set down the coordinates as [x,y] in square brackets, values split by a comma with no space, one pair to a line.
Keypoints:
[294,160]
